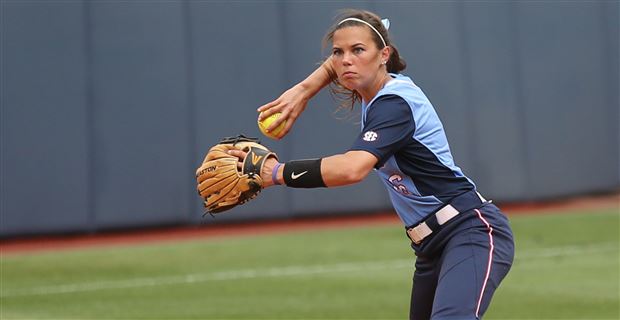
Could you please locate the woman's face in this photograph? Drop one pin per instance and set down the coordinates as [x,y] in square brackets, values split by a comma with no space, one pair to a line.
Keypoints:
[356,58]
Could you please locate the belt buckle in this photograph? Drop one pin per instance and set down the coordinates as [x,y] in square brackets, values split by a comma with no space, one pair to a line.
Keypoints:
[413,234]
[419,232]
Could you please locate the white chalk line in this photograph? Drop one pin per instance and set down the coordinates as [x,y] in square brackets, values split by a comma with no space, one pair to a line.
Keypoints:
[216,276]
[281,272]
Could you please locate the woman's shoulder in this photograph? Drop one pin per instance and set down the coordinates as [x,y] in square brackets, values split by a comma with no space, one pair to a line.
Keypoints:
[390,106]
[403,86]
[400,81]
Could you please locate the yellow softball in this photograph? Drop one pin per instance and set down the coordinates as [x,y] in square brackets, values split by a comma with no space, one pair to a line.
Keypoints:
[262,125]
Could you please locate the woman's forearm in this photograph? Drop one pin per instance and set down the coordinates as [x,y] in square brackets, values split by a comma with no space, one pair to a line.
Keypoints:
[318,79]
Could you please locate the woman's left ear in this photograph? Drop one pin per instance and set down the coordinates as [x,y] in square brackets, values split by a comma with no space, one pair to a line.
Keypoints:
[385,54]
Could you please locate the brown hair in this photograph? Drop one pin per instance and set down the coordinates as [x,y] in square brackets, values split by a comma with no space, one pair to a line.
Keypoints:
[395,63]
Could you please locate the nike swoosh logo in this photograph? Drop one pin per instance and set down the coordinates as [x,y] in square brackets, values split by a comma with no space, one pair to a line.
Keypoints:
[295,176]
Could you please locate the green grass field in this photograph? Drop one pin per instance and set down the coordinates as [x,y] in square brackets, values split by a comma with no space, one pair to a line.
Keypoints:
[566,267]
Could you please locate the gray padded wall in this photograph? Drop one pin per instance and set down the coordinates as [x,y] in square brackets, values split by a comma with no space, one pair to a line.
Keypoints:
[235,70]
[109,106]
[140,113]
[567,113]
[495,108]
[45,174]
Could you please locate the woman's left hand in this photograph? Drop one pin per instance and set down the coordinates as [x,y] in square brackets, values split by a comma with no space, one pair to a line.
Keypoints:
[266,169]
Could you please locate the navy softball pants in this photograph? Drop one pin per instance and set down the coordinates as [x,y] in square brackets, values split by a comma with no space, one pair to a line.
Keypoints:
[459,267]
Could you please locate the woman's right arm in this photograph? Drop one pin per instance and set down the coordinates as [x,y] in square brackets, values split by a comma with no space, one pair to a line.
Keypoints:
[294,100]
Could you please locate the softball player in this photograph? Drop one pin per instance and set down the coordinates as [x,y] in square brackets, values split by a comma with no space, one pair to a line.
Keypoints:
[463,243]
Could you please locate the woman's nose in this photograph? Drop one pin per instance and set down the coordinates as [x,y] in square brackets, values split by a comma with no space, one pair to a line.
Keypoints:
[346,59]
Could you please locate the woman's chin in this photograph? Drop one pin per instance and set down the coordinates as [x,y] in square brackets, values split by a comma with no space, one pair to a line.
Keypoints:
[347,84]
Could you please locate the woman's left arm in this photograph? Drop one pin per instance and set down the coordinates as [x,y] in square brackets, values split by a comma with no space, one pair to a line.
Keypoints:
[337,170]
[347,168]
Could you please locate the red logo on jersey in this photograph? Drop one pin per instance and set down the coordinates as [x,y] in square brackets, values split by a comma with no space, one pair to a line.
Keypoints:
[395,180]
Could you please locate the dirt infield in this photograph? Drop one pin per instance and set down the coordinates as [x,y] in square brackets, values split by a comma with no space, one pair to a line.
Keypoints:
[63,242]
[190,232]
[576,203]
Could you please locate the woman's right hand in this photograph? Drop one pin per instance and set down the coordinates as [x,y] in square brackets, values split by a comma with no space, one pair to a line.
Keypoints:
[290,104]
[294,100]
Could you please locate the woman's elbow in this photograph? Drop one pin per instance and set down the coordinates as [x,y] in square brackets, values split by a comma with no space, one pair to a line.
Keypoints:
[349,168]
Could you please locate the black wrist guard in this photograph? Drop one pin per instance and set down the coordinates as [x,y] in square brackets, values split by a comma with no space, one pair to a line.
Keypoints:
[303,174]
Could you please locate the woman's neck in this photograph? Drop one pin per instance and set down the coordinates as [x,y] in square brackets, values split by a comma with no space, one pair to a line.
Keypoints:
[373,89]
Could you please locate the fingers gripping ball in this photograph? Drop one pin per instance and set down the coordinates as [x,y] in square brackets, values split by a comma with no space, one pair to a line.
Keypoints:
[222,183]
[265,123]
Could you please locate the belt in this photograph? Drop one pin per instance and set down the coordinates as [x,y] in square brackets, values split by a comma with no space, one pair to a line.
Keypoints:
[461,203]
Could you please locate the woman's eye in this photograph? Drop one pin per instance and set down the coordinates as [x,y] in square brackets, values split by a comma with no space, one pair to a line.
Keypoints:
[358,50]
[336,52]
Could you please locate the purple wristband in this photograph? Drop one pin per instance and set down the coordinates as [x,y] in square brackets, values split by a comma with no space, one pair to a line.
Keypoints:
[274,174]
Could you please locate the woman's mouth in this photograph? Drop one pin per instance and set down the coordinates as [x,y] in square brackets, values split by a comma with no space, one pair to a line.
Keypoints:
[348,74]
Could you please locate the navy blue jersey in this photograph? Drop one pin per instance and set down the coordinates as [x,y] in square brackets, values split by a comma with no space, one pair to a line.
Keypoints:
[401,128]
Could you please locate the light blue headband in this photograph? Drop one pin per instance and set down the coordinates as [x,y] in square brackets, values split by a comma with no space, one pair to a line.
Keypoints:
[385,22]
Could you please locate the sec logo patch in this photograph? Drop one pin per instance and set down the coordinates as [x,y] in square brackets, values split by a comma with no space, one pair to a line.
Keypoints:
[370,136]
